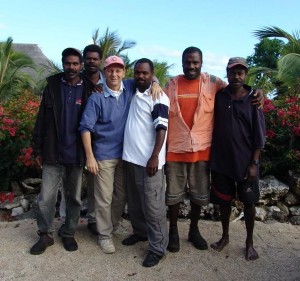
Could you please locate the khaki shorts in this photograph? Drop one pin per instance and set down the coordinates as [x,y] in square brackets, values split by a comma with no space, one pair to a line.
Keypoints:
[190,179]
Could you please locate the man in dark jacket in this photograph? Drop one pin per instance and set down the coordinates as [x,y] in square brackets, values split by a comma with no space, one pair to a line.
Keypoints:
[58,149]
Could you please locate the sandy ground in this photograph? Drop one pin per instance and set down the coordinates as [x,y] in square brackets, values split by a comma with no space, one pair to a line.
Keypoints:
[277,244]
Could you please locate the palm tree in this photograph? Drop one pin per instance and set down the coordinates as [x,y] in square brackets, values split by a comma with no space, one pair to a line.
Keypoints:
[50,68]
[288,65]
[111,44]
[12,80]
[161,71]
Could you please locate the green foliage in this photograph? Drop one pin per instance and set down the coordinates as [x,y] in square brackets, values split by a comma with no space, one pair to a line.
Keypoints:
[40,82]
[161,70]
[17,117]
[289,72]
[111,44]
[266,53]
[12,80]
[293,45]
[285,76]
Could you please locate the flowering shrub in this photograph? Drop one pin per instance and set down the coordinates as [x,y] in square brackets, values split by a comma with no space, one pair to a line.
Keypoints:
[282,150]
[17,118]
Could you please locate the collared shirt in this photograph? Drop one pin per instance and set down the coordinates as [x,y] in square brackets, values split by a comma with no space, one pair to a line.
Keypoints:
[239,129]
[144,119]
[71,96]
[105,117]
[110,92]
[182,139]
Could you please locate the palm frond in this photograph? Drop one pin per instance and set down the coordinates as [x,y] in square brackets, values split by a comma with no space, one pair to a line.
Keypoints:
[272,31]
[127,44]
[289,68]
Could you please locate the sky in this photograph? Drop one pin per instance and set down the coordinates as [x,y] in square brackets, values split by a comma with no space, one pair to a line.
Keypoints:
[162,29]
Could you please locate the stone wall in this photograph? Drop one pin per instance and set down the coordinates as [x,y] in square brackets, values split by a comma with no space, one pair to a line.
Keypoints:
[278,201]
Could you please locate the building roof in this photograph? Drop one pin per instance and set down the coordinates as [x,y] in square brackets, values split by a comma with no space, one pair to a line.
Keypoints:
[35,53]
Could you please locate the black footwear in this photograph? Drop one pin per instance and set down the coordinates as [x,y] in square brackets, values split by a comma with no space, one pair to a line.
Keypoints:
[92,226]
[133,239]
[197,240]
[152,259]
[44,242]
[173,245]
[61,230]
[70,244]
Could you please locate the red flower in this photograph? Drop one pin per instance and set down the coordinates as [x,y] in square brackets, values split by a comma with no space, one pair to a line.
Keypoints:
[270,134]
[291,100]
[296,131]
[280,112]
[8,121]
[12,131]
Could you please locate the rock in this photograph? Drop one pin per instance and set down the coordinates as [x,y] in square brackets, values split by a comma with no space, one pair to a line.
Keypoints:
[17,211]
[279,216]
[185,209]
[234,213]
[241,215]
[31,185]
[295,220]
[275,213]
[294,182]
[271,190]
[291,199]
[25,204]
[238,204]
[295,210]
[11,205]
[260,213]
[273,209]
[16,189]
[208,211]
[283,207]
[84,205]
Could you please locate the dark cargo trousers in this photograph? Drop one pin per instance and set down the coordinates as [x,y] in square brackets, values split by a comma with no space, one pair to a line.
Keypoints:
[146,206]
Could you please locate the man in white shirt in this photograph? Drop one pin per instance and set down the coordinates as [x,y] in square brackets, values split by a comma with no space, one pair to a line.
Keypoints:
[144,155]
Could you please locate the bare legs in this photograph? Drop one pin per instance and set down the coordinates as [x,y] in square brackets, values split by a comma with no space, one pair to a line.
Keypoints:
[173,245]
[225,215]
[249,211]
[173,216]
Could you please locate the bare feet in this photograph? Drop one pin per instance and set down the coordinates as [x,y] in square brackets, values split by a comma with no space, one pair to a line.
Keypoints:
[218,246]
[251,253]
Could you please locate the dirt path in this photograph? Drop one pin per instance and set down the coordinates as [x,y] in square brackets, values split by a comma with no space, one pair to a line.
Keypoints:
[277,244]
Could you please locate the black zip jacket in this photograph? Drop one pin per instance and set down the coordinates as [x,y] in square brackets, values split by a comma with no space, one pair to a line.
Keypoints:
[46,130]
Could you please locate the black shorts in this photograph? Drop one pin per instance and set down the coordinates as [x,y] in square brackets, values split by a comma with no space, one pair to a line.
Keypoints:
[224,189]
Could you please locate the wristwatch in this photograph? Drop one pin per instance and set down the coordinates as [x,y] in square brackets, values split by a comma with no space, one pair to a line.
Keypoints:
[255,162]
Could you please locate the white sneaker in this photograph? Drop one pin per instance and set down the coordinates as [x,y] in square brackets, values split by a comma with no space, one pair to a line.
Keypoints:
[107,246]
[119,231]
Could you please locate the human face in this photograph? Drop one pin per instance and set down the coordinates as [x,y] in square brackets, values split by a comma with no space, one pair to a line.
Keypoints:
[236,76]
[92,62]
[72,67]
[143,76]
[191,65]
[114,74]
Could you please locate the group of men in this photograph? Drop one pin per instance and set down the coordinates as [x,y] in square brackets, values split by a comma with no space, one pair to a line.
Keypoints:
[127,134]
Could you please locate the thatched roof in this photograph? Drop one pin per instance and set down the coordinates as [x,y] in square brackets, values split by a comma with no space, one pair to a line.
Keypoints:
[36,54]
